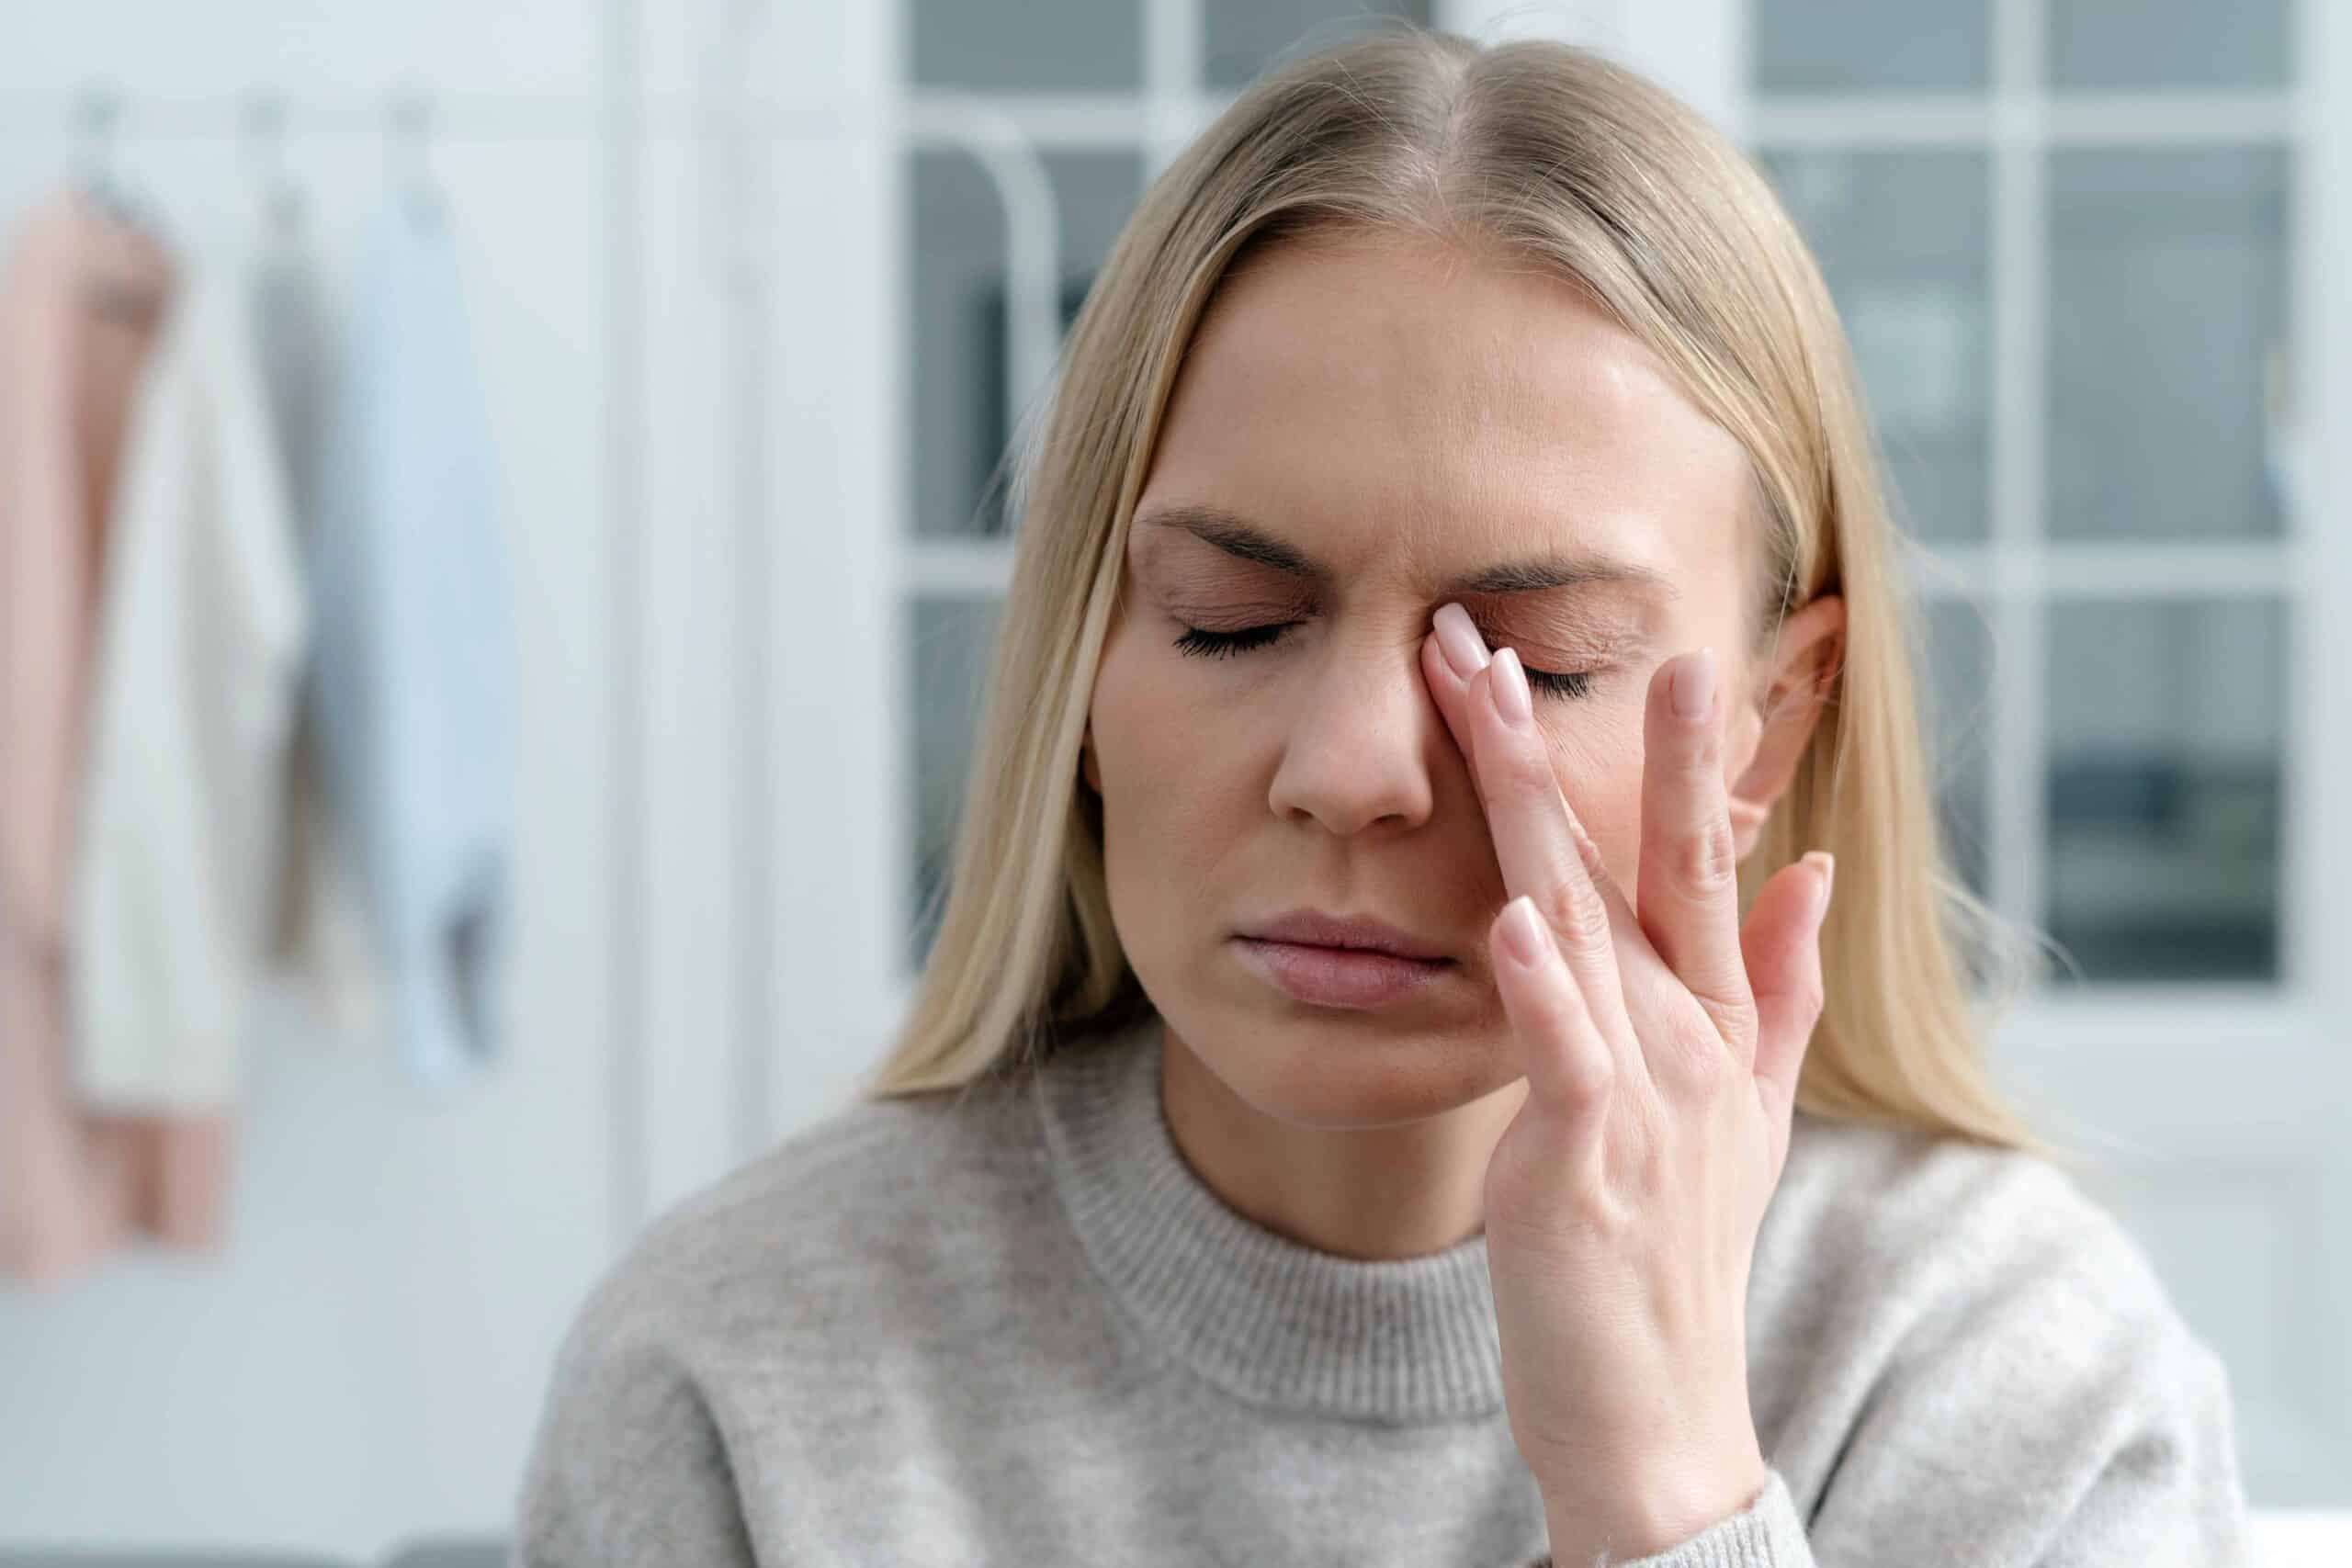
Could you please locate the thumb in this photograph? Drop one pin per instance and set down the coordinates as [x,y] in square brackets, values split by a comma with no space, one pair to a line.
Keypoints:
[1781,943]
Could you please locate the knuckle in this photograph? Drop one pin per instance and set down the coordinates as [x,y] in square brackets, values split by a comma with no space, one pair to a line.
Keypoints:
[1734,1023]
[1589,1074]
[1698,759]
[1519,774]
[1576,913]
[1702,1065]
[1705,862]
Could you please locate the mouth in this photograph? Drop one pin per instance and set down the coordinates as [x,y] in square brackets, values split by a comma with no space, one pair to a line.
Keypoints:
[1339,977]
[1353,934]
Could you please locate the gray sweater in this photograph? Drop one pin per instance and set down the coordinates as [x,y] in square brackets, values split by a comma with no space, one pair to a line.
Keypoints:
[1011,1326]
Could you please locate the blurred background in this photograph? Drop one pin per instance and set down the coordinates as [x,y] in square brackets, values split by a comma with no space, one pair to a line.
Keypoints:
[753,294]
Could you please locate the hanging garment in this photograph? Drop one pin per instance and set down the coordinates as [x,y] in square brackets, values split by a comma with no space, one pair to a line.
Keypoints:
[414,663]
[201,646]
[80,300]
[318,941]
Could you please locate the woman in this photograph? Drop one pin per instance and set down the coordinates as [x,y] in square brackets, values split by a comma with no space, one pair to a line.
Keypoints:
[1456,535]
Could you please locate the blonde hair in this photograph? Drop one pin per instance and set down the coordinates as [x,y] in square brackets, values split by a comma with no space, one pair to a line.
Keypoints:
[1562,156]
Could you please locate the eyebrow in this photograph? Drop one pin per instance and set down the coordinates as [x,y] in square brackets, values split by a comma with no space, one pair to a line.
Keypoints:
[1240,537]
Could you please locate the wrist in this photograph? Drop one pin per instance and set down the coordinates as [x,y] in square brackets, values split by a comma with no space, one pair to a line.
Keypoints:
[1647,1513]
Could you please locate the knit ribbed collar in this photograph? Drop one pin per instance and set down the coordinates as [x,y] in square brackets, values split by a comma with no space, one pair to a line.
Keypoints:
[1263,1316]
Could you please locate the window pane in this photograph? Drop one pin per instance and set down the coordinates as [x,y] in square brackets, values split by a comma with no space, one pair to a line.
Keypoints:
[2167,298]
[2165,727]
[2140,44]
[1244,36]
[1872,46]
[958,336]
[1903,241]
[1957,683]
[1089,46]
[950,641]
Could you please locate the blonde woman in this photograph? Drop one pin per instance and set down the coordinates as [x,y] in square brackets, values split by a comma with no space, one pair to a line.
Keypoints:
[1393,1083]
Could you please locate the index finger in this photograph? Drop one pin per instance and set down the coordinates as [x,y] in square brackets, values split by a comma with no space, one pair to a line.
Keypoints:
[1541,849]
[1452,656]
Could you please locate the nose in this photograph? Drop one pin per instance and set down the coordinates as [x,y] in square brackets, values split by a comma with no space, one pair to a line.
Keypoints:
[1358,752]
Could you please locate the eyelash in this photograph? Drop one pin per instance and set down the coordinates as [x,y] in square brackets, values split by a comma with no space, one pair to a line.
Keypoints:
[1199,644]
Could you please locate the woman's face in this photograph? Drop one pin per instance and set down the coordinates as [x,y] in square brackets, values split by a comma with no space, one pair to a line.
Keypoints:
[1368,429]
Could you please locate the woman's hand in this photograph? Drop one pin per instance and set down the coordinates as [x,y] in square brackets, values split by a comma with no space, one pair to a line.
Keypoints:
[1661,1048]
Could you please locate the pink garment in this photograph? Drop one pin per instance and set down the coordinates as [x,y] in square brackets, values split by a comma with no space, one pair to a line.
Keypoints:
[80,297]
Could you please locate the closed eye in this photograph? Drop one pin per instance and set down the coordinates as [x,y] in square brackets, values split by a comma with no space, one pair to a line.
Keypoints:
[1200,644]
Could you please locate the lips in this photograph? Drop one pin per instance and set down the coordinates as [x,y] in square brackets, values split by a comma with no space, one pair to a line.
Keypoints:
[1339,977]
[1313,927]
[1340,961]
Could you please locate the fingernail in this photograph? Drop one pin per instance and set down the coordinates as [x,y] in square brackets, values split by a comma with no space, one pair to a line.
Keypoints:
[1465,650]
[1694,684]
[1509,684]
[1829,865]
[1522,930]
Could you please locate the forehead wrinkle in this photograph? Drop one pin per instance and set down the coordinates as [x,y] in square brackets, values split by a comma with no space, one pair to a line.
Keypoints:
[1538,572]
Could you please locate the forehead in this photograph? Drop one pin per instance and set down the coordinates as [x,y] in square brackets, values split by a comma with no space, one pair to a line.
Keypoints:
[1387,401]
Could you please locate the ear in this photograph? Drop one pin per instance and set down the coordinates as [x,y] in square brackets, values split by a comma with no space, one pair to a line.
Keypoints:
[1802,671]
[1087,767]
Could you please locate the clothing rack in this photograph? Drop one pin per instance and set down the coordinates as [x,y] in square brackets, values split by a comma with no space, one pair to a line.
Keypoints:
[99,116]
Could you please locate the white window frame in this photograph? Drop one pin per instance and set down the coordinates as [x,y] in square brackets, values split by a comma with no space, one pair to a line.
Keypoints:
[843,978]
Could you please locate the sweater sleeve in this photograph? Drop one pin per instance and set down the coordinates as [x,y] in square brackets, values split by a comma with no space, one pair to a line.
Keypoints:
[1767,1533]
[630,1467]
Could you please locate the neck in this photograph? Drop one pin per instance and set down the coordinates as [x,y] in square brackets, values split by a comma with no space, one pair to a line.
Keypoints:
[1395,1189]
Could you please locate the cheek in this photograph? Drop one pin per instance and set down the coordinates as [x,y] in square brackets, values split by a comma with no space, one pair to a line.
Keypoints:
[1168,753]
[1164,716]
[1598,764]
[1174,808]
[1139,718]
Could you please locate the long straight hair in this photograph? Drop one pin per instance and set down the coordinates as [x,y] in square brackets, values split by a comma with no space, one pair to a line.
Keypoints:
[1558,155]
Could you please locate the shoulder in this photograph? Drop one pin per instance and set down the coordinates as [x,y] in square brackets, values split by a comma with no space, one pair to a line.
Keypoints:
[1936,1314]
[1902,1205]
[823,1233]
[782,1290]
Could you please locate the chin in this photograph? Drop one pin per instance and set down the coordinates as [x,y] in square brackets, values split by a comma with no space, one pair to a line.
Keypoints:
[1334,1069]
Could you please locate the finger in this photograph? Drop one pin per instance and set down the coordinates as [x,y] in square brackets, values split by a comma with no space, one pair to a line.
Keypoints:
[1570,1068]
[1689,882]
[1783,944]
[1542,852]
[1451,654]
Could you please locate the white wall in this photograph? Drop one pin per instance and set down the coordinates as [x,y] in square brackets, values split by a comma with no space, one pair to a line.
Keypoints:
[366,1360]
[687,333]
